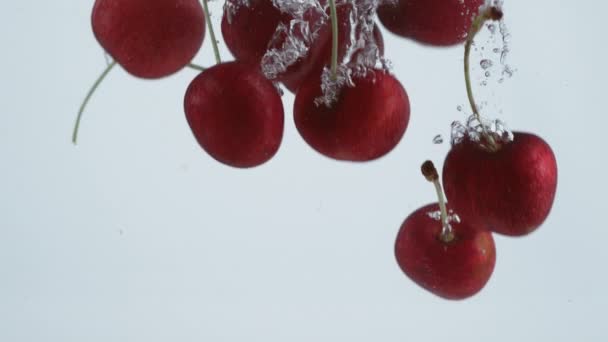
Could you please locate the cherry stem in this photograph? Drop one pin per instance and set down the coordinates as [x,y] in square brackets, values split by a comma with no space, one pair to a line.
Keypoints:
[489,13]
[430,173]
[196,67]
[87,98]
[334,42]
[216,51]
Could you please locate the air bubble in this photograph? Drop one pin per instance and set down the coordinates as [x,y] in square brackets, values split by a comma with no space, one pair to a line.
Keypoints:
[475,129]
[486,63]
[438,139]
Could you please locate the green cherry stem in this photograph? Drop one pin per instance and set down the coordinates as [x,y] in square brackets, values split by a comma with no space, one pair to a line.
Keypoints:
[196,67]
[430,173]
[87,98]
[334,42]
[216,51]
[490,13]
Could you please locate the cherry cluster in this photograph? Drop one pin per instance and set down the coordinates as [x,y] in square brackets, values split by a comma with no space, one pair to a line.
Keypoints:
[348,106]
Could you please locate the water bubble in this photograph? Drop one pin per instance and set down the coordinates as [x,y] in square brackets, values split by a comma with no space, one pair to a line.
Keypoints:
[459,108]
[486,63]
[487,74]
[491,28]
[438,139]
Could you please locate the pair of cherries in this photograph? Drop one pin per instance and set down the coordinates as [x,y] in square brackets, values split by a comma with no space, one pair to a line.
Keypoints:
[495,182]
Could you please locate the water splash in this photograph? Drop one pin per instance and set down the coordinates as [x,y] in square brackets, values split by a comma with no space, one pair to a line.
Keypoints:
[292,42]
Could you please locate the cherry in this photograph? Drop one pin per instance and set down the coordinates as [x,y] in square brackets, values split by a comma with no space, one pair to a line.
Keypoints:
[235,114]
[449,258]
[364,123]
[510,190]
[433,22]
[248,29]
[149,39]
[508,186]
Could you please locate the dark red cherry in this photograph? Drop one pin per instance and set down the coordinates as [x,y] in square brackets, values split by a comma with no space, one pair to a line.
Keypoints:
[509,190]
[433,22]
[149,39]
[235,114]
[456,269]
[365,122]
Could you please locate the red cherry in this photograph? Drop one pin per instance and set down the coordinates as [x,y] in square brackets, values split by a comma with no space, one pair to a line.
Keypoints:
[149,39]
[510,190]
[235,114]
[433,22]
[248,29]
[456,269]
[364,123]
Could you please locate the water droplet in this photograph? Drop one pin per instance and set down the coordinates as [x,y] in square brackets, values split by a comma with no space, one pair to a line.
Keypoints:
[459,108]
[438,139]
[491,28]
[487,74]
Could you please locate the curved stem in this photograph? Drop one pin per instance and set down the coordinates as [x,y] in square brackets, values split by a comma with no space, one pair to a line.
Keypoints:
[196,67]
[216,51]
[334,42]
[467,78]
[487,13]
[87,98]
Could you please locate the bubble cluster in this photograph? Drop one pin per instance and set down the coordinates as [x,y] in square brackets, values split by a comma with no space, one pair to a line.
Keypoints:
[452,217]
[476,130]
[292,42]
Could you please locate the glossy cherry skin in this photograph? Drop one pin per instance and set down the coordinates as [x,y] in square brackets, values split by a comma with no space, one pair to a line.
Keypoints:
[510,191]
[432,22]
[366,122]
[235,114]
[249,29]
[149,39]
[457,269]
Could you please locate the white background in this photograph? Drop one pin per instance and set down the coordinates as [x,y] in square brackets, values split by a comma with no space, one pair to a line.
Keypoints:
[137,235]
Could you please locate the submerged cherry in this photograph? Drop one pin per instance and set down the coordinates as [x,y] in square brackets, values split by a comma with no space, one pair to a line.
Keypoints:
[365,122]
[509,190]
[507,185]
[235,114]
[451,258]
[433,22]
[248,28]
[149,39]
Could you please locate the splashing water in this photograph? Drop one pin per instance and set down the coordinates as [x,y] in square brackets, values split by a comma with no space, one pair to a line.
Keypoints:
[292,42]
